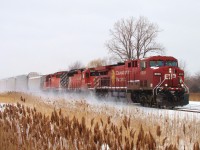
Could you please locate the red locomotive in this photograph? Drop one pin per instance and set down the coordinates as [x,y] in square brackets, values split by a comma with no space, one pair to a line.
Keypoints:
[155,80]
[55,81]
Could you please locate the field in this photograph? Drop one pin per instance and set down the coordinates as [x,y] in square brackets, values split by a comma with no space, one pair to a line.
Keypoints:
[195,96]
[37,121]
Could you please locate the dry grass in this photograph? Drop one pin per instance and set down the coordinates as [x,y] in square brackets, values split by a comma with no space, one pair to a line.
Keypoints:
[195,96]
[25,128]
[33,124]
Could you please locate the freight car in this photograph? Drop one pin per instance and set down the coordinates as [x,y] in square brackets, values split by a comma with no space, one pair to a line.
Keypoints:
[10,84]
[23,83]
[35,82]
[153,81]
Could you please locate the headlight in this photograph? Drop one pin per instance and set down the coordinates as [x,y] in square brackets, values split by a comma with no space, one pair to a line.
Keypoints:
[166,84]
[157,74]
[182,85]
[170,70]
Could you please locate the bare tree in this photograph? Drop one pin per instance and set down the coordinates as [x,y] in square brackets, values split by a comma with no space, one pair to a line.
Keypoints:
[183,66]
[101,62]
[75,65]
[132,39]
[194,83]
[97,62]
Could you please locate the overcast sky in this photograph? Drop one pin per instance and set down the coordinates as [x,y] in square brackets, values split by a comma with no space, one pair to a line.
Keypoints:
[48,35]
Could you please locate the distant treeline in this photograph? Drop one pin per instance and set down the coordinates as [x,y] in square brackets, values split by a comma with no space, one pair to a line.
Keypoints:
[193,82]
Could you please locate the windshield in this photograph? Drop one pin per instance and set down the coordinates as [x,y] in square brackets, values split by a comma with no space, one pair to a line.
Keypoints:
[171,63]
[155,63]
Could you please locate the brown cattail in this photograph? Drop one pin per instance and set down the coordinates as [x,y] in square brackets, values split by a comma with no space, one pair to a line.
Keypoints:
[120,129]
[158,131]
[163,141]
[92,122]
[101,121]
[132,134]
[196,146]
[125,122]
[60,112]
[184,129]
[109,120]
[177,139]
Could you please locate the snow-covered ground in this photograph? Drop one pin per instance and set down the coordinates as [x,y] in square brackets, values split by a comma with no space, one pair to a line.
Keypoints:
[193,105]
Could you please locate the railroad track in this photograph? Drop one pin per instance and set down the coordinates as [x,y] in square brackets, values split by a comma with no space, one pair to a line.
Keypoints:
[192,108]
[187,110]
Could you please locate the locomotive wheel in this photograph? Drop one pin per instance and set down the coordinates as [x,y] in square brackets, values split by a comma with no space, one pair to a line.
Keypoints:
[159,99]
[146,100]
[143,99]
[150,100]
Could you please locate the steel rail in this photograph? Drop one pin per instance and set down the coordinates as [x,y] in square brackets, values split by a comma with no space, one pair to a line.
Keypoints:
[187,110]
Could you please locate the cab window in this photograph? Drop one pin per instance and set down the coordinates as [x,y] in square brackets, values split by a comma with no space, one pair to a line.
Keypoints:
[171,63]
[143,65]
[155,63]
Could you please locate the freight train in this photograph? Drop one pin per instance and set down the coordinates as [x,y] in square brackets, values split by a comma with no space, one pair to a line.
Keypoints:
[153,81]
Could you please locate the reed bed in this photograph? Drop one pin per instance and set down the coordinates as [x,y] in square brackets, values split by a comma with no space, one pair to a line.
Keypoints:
[195,96]
[81,126]
[25,128]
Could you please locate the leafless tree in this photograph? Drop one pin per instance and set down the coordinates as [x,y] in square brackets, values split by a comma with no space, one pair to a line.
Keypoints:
[194,83]
[97,62]
[132,39]
[75,65]
[101,62]
[182,64]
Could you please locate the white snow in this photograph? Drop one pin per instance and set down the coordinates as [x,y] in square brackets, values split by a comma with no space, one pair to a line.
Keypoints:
[2,106]
[193,105]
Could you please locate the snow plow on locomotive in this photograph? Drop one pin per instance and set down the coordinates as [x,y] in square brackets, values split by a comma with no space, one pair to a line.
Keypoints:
[153,81]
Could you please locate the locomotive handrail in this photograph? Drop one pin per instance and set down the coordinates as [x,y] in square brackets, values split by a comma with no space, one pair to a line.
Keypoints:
[157,86]
[186,87]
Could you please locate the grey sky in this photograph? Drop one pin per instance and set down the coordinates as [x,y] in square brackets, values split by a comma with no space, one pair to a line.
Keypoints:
[48,35]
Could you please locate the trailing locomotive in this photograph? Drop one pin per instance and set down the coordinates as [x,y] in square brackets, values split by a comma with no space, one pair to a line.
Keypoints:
[153,81]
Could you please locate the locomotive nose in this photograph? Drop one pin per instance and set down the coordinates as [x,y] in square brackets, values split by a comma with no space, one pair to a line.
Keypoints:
[171,77]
